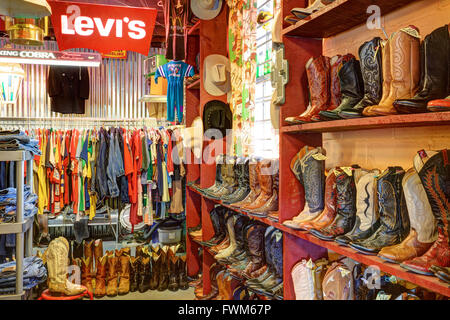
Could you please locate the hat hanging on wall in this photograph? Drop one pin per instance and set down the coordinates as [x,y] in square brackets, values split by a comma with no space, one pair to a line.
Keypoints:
[217,115]
[216,75]
[206,9]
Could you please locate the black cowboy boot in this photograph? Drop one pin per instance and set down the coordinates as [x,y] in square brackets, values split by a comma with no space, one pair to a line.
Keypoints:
[230,180]
[145,275]
[173,272]
[346,208]
[183,283]
[219,180]
[223,176]
[243,181]
[394,219]
[218,222]
[352,89]
[435,74]
[367,217]
[164,270]
[370,57]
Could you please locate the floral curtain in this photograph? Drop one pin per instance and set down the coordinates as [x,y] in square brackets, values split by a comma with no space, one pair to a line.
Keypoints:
[242,53]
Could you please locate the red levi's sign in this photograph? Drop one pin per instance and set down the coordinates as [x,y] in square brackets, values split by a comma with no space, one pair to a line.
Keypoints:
[103,28]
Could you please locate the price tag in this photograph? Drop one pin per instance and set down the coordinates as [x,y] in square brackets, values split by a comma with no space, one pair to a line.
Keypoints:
[278,236]
[348,170]
[319,156]
[310,264]
[172,236]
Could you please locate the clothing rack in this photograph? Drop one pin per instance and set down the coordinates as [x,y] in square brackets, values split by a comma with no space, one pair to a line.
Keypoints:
[82,122]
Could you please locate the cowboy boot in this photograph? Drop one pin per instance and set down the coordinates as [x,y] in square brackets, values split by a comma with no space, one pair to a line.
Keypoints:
[218,224]
[236,268]
[173,272]
[352,89]
[77,250]
[156,263]
[269,238]
[227,172]
[112,275]
[434,172]
[144,275]
[164,270]
[100,279]
[394,220]
[214,269]
[271,204]
[220,160]
[56,257]
[257,265]
[255,188]
[182,273]
[239,249]
[89,253]
[329,213]
[44,237]
[370,57]
[124,274]
[318,73]
[401,71]
[308,167]
[98,251]
[220,285]
[135,271]
[367,217]
[435,54]
[265,181]
[86,274]
[439,105]
[243,183]
[231,233]
[346,209]
[423,225]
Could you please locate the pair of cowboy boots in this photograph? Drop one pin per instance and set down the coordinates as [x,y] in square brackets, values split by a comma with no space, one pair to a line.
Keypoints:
[324,87]
[117,272]
[84,256]
[229,181]
[56,258]
[218,223]
[434,172]
[308,166]
[177,270]
[267,200]
[242,177]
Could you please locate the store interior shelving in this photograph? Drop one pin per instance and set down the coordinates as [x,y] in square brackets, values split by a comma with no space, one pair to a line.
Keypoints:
[337,17]
[303,41]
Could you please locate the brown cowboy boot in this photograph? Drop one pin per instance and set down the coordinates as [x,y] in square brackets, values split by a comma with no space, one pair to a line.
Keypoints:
[124,275]
[164,269]
[156,263]
[404,63]
[255,188]
[98,251]
[86,274]
[135,270]
[89,253]
[113,273]
[265,181]
[100,280]
[318,73]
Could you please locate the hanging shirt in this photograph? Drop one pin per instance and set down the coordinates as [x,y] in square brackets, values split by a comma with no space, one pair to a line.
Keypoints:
[174,72]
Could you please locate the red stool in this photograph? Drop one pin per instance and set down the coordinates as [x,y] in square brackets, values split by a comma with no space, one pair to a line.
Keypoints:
[46,295]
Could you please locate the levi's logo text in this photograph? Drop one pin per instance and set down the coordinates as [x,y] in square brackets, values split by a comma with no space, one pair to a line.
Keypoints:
[103,28]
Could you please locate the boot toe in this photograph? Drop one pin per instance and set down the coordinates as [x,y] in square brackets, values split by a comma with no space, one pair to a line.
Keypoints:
[417,265]
[410,106]
[328,115]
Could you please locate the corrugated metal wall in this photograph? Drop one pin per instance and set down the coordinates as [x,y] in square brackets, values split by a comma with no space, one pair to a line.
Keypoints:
[116,87]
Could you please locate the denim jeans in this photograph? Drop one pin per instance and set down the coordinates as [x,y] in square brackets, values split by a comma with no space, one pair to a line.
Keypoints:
[34,272]
[101,166]
[21,137]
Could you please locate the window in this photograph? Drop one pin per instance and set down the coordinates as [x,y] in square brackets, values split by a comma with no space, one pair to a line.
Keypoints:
[265,139]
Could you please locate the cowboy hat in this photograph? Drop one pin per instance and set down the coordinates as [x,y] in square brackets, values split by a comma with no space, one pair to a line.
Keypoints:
[217,115]
[206,9]
[216,75]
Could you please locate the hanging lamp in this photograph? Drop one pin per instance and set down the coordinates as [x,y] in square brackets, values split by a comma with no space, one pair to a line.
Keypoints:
[26,20]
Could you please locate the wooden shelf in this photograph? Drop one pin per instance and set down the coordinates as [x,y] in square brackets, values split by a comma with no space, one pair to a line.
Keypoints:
[194,30]
[194,85]
[403,120]
[427,282]
[339,16]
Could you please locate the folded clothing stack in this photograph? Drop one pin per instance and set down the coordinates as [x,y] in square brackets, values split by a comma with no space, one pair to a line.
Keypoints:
[18,140]
[34,273]
[8,203]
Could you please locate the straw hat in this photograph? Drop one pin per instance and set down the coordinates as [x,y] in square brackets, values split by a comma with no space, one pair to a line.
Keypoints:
[206,9]
[216,75]
[193,137]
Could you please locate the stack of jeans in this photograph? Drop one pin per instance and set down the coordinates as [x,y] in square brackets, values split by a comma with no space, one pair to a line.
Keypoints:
[8,202]
[18,140]
[34,273]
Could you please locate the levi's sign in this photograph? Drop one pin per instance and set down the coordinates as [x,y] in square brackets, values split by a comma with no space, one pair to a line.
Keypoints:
[103,28]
